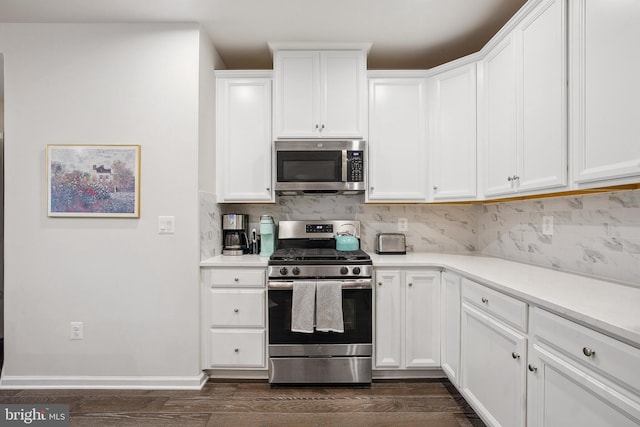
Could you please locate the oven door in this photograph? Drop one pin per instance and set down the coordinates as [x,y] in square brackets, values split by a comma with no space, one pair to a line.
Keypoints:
[357,313]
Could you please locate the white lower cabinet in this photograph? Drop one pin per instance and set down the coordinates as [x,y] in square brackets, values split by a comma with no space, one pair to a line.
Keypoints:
[234,318]
[580,377]
[493,357]
[450,326]
[407,319]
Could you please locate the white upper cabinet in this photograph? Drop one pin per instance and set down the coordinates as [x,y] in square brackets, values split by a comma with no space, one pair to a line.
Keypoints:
[498,126]
[523,106]
[320,94]
[452,107]
[605,90]
[243,135]
[398,169]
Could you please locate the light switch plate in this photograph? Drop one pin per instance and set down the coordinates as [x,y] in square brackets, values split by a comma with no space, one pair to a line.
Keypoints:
[166,224]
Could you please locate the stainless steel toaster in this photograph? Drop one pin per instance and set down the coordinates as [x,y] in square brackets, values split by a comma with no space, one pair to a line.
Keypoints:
[391,244]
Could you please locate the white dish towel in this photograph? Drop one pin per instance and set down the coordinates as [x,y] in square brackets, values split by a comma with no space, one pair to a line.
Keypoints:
[329,306]
[303,306]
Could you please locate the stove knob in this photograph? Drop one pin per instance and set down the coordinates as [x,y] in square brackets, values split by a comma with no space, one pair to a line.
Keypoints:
[344,270]
[356,270]
[295,271]
[283,271]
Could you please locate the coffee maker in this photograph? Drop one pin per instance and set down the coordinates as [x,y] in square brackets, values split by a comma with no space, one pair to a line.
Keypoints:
[235,234]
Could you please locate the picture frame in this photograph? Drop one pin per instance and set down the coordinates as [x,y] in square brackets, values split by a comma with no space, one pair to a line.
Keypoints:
[100,181]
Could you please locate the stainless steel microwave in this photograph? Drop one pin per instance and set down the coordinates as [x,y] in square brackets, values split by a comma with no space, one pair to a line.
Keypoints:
[320,166]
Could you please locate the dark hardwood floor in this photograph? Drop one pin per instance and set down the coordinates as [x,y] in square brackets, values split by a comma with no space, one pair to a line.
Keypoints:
[386,403]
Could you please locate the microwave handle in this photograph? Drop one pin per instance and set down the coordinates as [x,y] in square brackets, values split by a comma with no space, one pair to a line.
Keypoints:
[344,165]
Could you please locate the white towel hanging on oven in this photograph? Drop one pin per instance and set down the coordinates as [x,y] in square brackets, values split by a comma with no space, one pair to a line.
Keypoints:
[329,306]
[303,306]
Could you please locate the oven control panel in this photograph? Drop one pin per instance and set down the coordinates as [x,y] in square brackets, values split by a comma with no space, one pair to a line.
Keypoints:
[319,228]
[320,271]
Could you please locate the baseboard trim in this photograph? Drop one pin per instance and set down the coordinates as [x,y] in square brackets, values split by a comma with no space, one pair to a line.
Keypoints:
[399,374]
[196,382]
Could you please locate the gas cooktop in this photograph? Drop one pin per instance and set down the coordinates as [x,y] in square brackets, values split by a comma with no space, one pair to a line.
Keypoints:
[312,255]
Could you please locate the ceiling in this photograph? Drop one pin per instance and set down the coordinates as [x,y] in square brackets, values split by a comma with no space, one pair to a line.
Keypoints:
[405,34]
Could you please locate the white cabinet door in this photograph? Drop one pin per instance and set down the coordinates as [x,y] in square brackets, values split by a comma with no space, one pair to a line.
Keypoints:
[500,118]
[344,94]
[422,319]
[450,326]
[453,133]
[243,133]
[493,373]
[397,140]
[320,94]
[297,94]
[605,90]
[524,109]
[565,394]
[388,319]
[542,152]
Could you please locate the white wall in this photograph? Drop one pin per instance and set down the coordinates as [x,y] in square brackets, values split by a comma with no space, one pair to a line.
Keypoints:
[136,291]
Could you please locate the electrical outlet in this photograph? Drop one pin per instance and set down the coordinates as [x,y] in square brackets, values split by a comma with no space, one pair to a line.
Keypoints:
[547,225]
[403,224]
[77,330]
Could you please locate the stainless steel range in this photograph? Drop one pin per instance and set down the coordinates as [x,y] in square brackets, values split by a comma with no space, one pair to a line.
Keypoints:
[320,306]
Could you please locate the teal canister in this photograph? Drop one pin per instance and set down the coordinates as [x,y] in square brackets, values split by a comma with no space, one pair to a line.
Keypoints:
[267,235]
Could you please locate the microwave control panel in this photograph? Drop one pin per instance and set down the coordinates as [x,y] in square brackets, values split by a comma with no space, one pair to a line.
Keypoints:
[355,166]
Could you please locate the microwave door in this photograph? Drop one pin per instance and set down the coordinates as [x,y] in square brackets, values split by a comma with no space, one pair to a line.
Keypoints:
[310,166]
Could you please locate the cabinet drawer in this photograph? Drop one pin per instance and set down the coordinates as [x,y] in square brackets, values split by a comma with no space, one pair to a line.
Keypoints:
[608,356]
[236,307]
[236,348]
[503,307]
[231,277]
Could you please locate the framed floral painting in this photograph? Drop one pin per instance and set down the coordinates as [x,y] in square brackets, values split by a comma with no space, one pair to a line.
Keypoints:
[93,181]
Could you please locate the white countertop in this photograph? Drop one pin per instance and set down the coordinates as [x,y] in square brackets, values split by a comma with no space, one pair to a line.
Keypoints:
[606,306]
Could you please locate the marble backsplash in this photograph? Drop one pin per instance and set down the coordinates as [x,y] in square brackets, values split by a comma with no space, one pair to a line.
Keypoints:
[594,234]
[432,228]
[210,226]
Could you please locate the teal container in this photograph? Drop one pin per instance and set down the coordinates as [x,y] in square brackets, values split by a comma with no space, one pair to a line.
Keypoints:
[267,235]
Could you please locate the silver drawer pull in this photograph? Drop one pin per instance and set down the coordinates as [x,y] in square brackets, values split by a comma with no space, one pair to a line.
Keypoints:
[532,368]
[235,310]
[485,300]
[237,350]
[379,283]
[589,352]
[515,355]
[410,284]
[236,279]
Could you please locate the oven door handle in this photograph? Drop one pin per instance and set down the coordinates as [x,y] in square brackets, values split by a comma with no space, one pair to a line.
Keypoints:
[282,285]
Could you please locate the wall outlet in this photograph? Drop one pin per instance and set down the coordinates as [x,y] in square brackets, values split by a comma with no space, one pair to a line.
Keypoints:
[403,224]
[547,225]
[77,330]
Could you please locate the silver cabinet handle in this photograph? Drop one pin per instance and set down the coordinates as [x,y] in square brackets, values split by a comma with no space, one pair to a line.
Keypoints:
[379,283]
[371,188]
[516,177]
[485,300]
[589,352]
[515,355]
[268,188]
[236,350]
[317,126]
[410,284]
[435,188]
[236,279]
[235,310]
[532,368]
